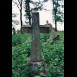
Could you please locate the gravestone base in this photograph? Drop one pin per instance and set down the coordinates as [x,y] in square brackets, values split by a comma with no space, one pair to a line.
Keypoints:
[36,67]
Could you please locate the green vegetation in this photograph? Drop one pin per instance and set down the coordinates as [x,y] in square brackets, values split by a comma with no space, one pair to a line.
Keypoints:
[52,51]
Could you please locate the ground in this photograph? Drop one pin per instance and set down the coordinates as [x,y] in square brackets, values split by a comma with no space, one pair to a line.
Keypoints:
[52,52]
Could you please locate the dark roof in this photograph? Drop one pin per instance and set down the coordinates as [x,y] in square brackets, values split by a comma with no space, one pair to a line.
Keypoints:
[47,25]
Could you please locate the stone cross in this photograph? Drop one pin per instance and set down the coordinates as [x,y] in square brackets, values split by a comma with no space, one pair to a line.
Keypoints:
[36,29]
[35,50]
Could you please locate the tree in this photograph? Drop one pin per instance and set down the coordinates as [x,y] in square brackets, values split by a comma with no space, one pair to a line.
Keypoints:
[14,22]
[18,3]
[58,15]
[55,12]
[28,10]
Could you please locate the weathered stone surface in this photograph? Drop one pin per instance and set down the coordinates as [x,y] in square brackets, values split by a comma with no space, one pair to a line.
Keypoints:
[36,59]
[35,50]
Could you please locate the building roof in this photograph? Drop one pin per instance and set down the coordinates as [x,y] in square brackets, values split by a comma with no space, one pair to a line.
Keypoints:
[46,25]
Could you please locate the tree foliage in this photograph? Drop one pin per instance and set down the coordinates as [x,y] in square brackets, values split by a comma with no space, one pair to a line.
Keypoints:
[18,3]
[14,22]
[58,13]
[57,9]
[28,9]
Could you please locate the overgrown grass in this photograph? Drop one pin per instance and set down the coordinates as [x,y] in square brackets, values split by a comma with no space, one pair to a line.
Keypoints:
[52,51]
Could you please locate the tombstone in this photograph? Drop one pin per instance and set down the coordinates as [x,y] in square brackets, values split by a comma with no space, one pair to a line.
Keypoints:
[36,59]
[35,51]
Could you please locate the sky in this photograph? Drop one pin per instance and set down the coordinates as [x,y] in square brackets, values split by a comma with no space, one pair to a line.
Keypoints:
[43,15]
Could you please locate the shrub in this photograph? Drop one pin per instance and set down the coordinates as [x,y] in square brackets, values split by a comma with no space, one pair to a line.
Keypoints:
[52,51]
